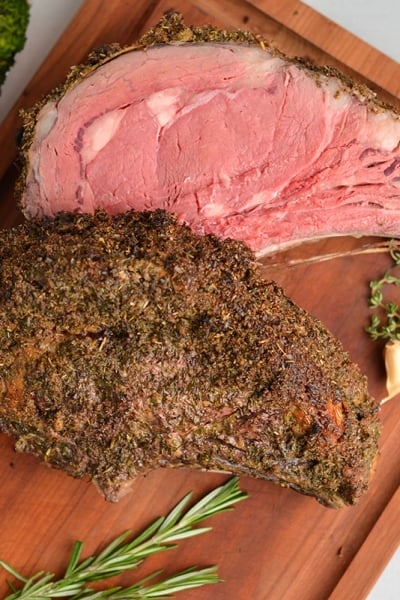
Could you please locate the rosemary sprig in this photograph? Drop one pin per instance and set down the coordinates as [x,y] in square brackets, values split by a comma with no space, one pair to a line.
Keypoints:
[125,553]
[386,326]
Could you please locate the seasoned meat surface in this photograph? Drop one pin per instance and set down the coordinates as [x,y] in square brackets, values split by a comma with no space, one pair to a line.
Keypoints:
[224,131]
[129,343]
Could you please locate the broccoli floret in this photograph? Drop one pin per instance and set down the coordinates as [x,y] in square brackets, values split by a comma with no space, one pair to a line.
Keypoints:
[14,18]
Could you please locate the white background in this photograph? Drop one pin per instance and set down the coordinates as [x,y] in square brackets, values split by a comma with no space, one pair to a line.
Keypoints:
[48,19]
[375,21]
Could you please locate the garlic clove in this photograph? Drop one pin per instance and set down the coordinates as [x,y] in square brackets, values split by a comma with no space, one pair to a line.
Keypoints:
[392,365]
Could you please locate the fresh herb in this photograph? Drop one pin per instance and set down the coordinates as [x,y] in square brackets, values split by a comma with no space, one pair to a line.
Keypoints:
[124,554]
[385,322]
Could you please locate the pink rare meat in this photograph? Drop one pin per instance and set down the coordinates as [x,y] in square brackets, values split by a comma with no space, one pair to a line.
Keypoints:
[235,139]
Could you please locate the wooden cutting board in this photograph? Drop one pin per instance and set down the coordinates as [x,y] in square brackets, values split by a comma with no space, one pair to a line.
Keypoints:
[277,544]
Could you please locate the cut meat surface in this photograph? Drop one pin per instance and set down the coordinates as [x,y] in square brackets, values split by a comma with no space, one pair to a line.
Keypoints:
[128,343]
[235,139]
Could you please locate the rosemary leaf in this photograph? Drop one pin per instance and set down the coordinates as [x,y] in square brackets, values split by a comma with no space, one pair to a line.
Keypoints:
[185,580]
[12,571]
[125,553]
[74,560]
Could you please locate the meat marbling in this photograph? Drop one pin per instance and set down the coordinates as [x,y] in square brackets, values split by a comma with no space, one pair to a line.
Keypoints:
[229,134]
[129,343]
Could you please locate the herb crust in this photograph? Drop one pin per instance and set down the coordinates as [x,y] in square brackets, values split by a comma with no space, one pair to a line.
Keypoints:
[128,343]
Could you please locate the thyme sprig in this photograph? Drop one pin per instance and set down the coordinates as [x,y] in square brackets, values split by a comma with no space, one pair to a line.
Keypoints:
[125,553]
[386,326]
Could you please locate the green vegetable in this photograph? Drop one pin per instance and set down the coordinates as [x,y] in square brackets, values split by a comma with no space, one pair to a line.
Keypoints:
[14,18]
[124,554]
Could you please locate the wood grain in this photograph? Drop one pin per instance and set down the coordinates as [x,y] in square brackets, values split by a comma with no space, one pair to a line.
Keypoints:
[380,545]
[277,544]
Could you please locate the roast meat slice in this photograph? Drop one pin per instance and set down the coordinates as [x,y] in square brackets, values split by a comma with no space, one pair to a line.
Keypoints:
[128,343]
[232,136]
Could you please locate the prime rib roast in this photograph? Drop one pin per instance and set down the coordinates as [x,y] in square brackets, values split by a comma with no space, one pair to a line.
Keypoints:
[229,134]
[128,343]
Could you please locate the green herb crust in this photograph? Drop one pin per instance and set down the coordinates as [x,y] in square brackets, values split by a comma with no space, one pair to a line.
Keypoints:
[128,343]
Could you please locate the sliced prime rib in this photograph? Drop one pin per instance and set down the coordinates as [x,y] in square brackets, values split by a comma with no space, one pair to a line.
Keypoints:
[129,343]
[229,134]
